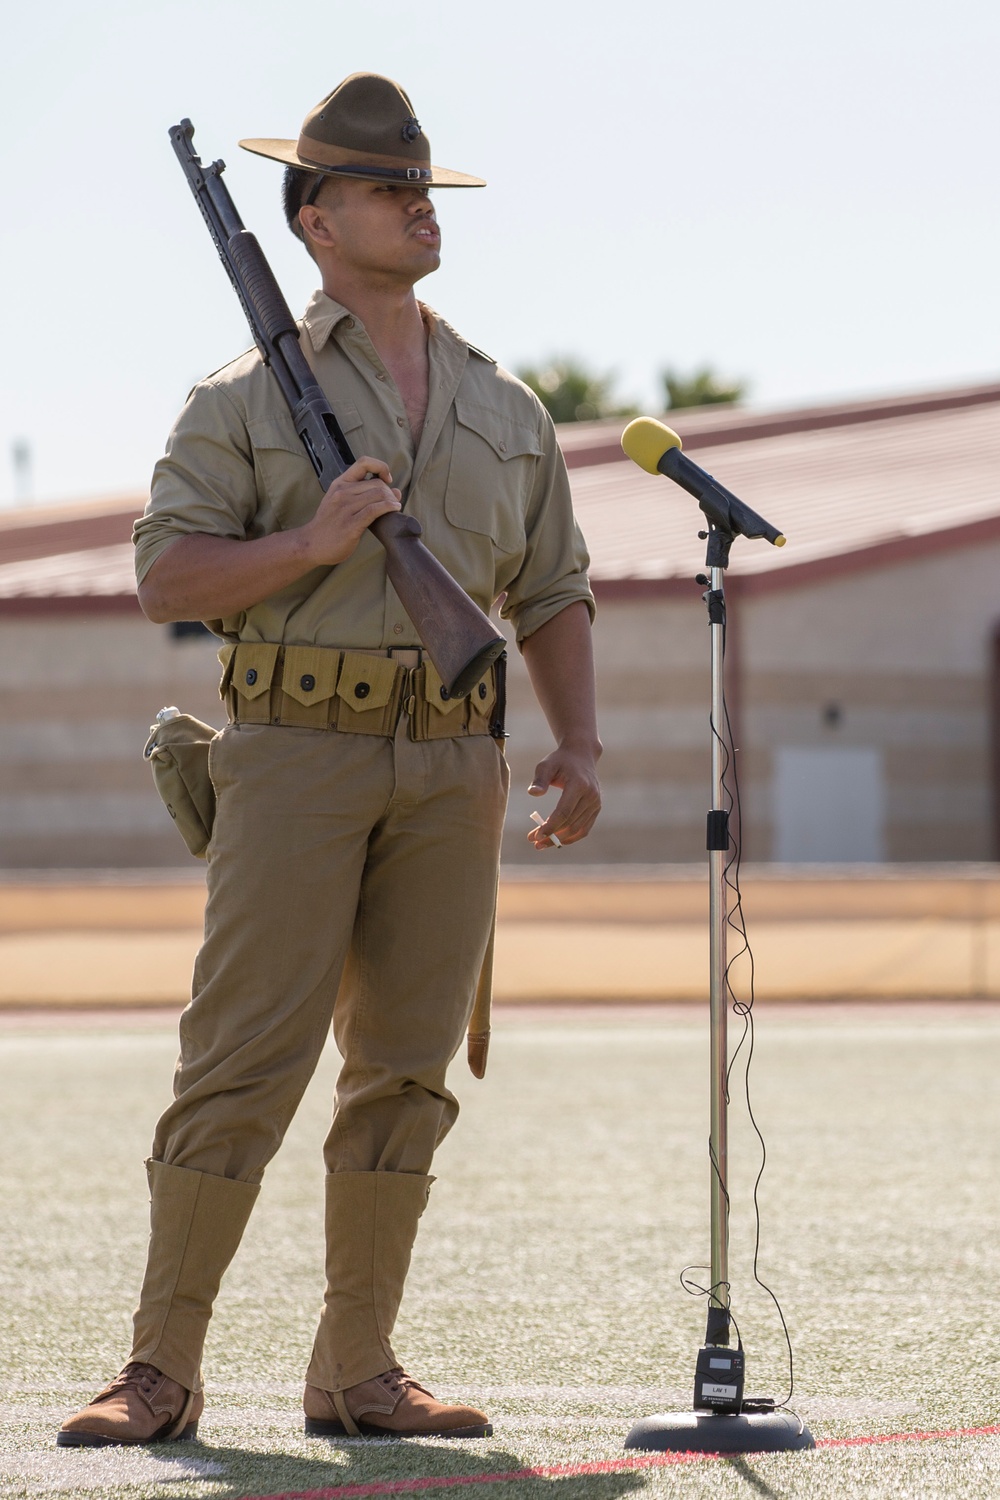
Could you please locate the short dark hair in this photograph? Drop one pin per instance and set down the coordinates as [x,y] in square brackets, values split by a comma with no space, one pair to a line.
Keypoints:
[299,187]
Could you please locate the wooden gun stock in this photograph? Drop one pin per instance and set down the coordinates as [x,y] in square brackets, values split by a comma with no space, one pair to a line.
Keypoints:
[461,641]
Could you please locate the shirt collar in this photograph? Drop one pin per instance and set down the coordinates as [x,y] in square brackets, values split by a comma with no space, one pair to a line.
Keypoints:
[323,315]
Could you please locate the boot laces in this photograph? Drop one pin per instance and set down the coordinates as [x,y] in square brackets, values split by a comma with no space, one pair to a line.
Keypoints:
[143,1376]
[401,1381]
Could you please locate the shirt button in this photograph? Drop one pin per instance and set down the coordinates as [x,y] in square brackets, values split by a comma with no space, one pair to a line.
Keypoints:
[502,447]
[400,422]
[349,323]
[379,375]
[397,630]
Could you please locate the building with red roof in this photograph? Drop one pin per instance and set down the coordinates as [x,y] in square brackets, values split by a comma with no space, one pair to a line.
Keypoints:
[862,657]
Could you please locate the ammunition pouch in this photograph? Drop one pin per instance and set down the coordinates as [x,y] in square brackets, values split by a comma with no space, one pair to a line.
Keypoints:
[354,692]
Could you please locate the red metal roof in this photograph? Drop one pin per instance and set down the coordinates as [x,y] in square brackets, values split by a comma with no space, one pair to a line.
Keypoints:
[76,556]
[834,492]
[585,443]
[850,484]
[32,531]
[92,570]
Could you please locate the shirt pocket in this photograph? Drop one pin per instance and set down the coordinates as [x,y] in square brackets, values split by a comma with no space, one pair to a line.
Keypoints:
[492,470]
[287,485]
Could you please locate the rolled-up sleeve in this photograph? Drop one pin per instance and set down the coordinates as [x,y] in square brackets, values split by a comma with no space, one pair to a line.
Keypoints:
[205,481]
[554,572]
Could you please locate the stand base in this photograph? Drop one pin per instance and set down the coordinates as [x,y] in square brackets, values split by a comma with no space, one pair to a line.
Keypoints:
[707,1432]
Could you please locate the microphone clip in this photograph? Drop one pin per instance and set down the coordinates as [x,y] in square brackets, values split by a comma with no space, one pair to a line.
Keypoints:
[720,540]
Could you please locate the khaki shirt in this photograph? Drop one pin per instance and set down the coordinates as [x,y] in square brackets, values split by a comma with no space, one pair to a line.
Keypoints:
[487,484]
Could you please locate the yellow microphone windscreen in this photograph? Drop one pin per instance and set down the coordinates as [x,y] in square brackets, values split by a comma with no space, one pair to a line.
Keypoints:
[645,441]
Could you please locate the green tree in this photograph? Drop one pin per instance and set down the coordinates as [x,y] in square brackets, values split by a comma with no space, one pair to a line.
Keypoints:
[572,393]
[703,388]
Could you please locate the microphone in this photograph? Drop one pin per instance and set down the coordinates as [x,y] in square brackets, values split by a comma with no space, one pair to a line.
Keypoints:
[657,449]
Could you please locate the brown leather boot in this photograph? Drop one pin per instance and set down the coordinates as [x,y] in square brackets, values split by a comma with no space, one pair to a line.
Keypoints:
[141,1405]
[390,1405]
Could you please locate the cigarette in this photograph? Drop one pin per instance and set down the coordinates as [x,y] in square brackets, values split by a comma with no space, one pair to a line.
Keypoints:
[539,818]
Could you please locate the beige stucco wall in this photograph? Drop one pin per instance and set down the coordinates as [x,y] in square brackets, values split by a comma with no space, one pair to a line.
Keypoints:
[653,702]
[79,692]
[903,652]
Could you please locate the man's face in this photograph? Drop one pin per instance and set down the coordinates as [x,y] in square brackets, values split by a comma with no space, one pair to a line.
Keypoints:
[379,229]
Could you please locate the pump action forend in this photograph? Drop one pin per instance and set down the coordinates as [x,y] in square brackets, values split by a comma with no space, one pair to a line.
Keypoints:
[460,640]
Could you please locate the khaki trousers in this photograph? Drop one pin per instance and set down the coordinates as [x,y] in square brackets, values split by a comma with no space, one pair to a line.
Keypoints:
[351,878]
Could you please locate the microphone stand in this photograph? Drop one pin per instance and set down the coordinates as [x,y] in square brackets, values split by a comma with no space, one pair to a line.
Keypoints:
[721,1421]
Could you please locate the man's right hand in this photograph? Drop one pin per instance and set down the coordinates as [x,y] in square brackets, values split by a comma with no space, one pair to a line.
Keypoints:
[354,500]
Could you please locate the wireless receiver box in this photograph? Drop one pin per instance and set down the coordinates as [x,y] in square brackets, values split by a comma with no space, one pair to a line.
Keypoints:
[718,1379]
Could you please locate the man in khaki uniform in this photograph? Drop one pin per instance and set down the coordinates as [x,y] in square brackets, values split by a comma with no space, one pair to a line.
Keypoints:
[353,863]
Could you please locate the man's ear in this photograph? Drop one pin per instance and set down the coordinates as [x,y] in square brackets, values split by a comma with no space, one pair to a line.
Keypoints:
[315,224]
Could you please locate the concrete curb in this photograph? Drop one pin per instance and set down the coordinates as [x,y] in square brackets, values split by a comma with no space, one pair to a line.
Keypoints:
[628,934]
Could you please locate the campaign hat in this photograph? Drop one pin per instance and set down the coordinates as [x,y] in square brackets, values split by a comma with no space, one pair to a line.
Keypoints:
[366,129]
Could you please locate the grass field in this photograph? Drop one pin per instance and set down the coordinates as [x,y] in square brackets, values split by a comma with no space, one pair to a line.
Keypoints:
[545,1282]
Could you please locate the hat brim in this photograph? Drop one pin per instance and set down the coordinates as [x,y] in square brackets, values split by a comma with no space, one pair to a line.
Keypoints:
[287,152]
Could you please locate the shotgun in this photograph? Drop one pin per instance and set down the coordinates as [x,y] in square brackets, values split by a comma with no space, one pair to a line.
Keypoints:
[460,640]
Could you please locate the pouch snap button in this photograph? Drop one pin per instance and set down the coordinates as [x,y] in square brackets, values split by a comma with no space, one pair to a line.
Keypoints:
[362,689]
[445,694]
[251,676]
[482,690]
[307,682]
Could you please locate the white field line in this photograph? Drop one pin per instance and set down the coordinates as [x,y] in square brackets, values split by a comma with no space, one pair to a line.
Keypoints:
[99,1469]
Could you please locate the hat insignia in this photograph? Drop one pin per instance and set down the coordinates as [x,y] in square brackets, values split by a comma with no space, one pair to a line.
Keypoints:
[411,130]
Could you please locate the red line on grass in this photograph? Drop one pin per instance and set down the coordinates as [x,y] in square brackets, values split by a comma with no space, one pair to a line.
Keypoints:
[908,1437]
[606,1466]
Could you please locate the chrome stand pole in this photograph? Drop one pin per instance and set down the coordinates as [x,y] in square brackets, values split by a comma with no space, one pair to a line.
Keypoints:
[718,854]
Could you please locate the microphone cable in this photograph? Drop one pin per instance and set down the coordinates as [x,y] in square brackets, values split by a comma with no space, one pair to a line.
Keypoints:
[736,922]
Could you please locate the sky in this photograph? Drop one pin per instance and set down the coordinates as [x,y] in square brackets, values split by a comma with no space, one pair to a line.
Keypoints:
[802,195]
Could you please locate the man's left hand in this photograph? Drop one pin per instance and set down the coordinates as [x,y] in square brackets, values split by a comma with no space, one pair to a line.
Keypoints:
[574,771]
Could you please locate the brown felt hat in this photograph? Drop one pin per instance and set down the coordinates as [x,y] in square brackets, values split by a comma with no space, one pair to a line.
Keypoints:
[367,129]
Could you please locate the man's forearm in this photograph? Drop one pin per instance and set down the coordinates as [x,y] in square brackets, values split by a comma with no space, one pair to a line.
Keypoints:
[202,577]
[560,661]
